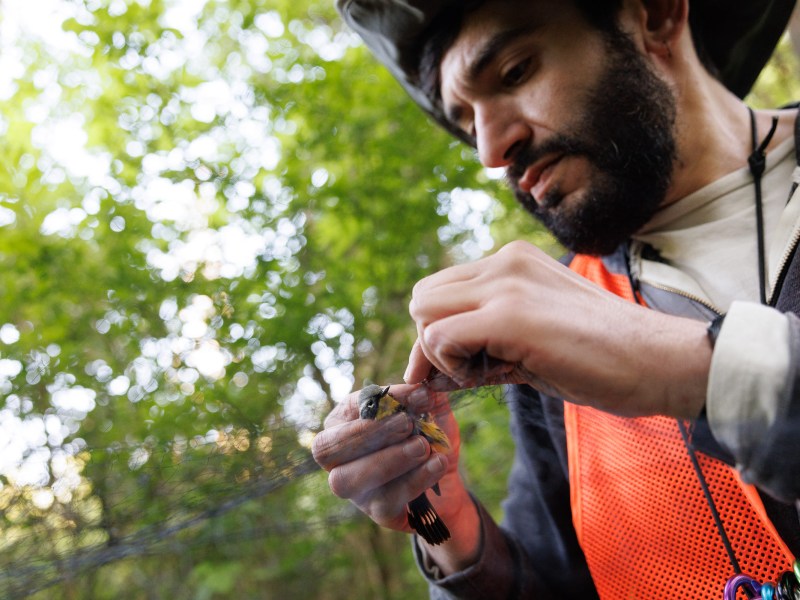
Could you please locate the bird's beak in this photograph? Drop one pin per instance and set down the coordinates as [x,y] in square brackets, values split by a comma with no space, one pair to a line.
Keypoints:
[385,391]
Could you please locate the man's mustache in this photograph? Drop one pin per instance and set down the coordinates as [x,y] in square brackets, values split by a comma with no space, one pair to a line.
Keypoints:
[562,145]
[530,154]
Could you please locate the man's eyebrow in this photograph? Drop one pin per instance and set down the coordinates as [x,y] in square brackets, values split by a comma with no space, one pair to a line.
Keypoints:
[493,47]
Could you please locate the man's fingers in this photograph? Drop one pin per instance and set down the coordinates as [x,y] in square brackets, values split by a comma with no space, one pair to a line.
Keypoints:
[363,475]
[386,504]
[460,344]
[452,298]
[348,441]
[457,273]
[451,349]
[344,412]
[425,398]
[419,367]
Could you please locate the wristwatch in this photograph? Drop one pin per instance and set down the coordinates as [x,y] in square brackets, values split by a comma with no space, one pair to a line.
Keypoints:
[713,329]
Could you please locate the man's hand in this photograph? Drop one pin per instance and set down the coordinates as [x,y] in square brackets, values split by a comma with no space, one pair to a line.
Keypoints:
[380,467]
[521,317]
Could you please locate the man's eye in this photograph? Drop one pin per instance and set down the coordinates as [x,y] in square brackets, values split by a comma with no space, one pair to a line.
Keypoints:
[516,74]
[470,130]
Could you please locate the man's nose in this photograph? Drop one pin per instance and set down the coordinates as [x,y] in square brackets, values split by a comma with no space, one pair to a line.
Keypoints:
[500,134]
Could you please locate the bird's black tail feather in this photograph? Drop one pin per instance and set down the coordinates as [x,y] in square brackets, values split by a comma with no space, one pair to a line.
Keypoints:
[423,519]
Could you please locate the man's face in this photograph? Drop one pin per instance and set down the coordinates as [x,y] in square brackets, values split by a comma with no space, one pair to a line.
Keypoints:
[582,124]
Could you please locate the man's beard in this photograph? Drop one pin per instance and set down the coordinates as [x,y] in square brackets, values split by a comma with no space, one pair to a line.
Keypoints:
[626,132]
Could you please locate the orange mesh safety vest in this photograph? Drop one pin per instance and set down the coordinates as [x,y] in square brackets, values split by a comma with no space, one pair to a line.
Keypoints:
[638,508]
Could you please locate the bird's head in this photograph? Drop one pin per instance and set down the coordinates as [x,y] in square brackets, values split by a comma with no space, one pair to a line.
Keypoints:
[369,400]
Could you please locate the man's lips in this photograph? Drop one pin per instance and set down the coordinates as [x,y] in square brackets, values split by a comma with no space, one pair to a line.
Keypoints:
[533,180]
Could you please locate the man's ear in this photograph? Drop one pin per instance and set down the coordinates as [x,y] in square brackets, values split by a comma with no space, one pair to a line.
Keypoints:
[664,21]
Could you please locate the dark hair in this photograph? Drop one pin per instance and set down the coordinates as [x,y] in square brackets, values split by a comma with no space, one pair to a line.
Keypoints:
[441,34]
[437,39]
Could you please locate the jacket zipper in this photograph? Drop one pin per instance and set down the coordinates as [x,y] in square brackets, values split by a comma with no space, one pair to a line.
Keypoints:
[687,295]
[790,250]
[783,265]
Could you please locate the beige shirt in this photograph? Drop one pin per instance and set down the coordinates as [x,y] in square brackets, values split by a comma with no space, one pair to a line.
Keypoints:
[709,238]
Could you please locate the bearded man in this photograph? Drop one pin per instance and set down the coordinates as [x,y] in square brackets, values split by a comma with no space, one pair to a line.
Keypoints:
[656,370]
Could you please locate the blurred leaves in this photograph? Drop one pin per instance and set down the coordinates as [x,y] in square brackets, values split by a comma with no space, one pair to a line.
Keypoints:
[212,216]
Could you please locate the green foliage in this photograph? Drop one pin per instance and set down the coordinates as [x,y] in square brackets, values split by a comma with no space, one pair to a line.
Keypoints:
[211,217]
[778,83]
[210,234]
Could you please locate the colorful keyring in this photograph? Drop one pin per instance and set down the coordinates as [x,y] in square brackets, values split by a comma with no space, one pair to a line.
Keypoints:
[737,581]
[768,591]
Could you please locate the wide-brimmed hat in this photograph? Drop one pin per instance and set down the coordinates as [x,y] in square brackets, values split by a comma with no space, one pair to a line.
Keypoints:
[739,37]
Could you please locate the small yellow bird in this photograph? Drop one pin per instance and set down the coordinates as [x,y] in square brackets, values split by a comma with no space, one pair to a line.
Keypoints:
[375,402]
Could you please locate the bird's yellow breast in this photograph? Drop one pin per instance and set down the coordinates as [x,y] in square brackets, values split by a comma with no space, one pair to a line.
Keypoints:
[387,407]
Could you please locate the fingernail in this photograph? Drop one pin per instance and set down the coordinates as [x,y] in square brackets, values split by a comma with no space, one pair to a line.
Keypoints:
[407,374]
[436,464]
[399,423]
[418,396]
[414,448]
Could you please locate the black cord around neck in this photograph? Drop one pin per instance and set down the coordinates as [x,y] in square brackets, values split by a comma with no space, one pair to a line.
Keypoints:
[758,164]
[726,542]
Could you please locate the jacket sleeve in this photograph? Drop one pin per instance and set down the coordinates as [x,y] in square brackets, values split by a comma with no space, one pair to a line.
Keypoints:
[535,552]
[753,400]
